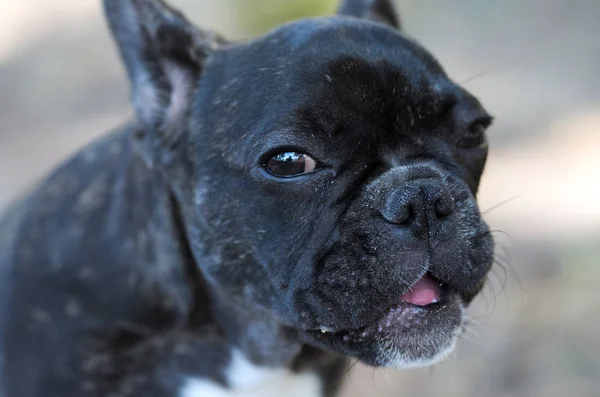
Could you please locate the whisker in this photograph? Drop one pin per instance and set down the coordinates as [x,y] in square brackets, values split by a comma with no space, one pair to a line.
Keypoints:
[454,357]
[506,265]
[490,286]
[501,280]
[348,373]
[502,232]
[387,377]
[351,366]
[470,320]
[474,77]
[471,335]
[373,380]
[502,259]
[500,204]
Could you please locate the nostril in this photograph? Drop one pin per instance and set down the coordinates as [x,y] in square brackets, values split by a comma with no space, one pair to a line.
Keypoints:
[444,206]
[404,213]
[417,203]
[398,211]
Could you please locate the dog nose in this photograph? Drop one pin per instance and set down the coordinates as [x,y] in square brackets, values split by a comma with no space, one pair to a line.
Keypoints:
[420,204]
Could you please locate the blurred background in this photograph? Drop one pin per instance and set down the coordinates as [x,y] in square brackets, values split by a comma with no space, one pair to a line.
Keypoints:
[533,63]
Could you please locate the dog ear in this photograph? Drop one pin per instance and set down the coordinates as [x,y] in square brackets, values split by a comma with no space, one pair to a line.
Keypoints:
[382,11]
[163,54]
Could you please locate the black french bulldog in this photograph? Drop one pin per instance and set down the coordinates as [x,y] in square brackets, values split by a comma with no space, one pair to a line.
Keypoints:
[277,205]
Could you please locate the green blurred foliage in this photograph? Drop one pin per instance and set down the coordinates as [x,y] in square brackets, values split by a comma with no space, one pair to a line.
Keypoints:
[259,16]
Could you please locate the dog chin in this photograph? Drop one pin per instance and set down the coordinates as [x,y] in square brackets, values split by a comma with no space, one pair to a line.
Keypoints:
[398,354]
[421,339]
[397,359]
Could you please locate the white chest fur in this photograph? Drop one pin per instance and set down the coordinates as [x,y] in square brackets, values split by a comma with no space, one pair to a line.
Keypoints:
[248,380]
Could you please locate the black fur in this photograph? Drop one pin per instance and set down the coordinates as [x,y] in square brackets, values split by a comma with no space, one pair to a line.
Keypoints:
[152,253]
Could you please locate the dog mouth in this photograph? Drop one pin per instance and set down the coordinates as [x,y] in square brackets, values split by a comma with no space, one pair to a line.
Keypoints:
[426,297]
[425,292]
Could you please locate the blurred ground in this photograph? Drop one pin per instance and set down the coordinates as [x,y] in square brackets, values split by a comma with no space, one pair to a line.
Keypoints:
[533,63]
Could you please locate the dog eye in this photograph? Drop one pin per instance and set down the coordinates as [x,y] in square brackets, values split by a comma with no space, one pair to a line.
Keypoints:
[288,164]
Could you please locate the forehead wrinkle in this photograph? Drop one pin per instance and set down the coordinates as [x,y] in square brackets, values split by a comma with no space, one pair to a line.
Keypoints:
[423,99]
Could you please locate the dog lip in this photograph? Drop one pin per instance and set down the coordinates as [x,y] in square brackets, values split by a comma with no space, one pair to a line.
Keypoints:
[445,293]
[400,316]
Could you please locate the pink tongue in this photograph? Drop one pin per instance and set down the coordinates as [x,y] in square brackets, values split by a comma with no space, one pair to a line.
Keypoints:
[424,292]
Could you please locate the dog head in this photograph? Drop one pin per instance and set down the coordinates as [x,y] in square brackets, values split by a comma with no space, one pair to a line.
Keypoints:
[327,173]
